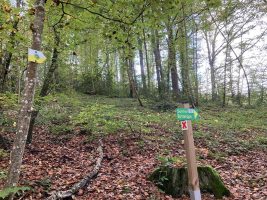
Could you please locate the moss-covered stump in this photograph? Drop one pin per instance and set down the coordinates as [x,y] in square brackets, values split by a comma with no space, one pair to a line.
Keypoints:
[174,181]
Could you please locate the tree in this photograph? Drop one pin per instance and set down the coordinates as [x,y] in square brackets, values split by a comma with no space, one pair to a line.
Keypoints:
[27,100]
[141,58]
[47,81]
[172,60]
[159,70]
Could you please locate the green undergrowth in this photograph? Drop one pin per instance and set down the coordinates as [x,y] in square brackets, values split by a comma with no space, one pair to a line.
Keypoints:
[234,118]
[8,104]
[238,128]
[102,115]
[12,190]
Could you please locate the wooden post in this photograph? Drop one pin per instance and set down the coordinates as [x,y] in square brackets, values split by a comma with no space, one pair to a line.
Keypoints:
[193,181]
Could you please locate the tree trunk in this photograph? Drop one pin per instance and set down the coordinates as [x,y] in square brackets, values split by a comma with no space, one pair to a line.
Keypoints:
[147,60]
[212,57]
[174,181]
[159,71]
[141,57]
[26,101]
[172,63]
[184,65]
[196,66]
[47,82]
[133,90]
[225,74]
[231,78]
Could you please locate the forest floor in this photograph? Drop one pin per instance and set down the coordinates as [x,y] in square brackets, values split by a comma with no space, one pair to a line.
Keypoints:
[135,141]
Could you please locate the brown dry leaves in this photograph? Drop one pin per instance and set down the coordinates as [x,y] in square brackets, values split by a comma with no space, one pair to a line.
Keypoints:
[63,161]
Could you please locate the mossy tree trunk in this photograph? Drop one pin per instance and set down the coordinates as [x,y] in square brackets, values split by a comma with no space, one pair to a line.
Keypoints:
[174,181]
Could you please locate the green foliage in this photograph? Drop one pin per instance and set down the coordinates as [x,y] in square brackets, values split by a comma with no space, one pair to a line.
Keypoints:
[3,175]
[56,112]
[213,3]
[61,129]
[174,181]
[165,106]
[220,156]
[99,115]
[8,100]
[170,161]
[234,118]
[3,153]
[10,190]
[99,119]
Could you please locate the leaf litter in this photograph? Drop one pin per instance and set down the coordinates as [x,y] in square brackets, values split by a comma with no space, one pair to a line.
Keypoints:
[57,162]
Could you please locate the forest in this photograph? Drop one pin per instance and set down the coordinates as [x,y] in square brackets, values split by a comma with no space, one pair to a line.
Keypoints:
[133,99]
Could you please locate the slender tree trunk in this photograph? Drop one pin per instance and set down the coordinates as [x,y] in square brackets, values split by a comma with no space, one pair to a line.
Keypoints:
[248,86]
[116,63]
[196,67]
[109,77]
[238,97]
[225,74]
[133,90]
[141,57]
[47,83]
[172,62]
[184,61]
[147,60]
[231,77]
[157,56]
[211,58]
[26,101]
[159,61]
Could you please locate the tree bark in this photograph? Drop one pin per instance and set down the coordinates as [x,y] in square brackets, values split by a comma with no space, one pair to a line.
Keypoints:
[174,181]
[47,82]
[159,71]
[225,74]
[172,63]
[195,61]
[141,57]
[184,63]
[132,83]
[26,101]
[211,58]
[147,59]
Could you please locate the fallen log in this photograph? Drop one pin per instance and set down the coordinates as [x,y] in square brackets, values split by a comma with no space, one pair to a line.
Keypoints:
[174,181]
[75,188]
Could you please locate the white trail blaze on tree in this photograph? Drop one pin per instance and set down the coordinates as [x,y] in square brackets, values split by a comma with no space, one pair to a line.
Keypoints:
[27,100]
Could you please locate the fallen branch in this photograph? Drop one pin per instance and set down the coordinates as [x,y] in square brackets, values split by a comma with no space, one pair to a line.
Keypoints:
[68,193]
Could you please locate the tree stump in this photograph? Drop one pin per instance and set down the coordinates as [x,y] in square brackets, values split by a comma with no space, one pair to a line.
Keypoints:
[174,181]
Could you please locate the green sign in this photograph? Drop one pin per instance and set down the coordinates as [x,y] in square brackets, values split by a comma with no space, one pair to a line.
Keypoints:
[186,114]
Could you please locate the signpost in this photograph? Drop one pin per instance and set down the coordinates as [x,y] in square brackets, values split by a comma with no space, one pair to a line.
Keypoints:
[185,115]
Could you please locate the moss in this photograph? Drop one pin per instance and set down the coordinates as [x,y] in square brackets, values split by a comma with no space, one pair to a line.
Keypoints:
[210,181]
[174,181]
